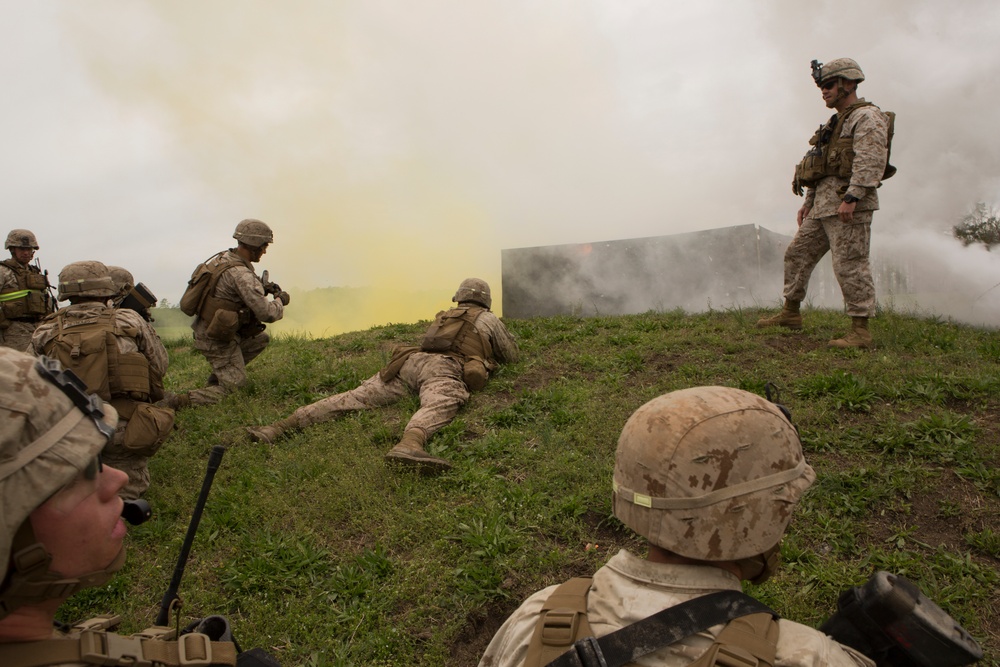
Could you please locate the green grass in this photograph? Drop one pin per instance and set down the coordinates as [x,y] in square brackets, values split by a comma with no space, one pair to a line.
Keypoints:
[318,552]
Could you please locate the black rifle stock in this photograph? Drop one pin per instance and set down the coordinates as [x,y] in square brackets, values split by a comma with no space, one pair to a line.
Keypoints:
[214,459]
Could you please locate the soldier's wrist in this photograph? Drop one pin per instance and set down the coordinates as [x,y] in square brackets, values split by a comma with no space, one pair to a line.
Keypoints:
[851,199]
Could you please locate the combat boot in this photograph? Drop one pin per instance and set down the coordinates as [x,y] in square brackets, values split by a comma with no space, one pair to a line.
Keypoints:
[173,401]
[272,432]
[410,451]
[858,336]
[789,317]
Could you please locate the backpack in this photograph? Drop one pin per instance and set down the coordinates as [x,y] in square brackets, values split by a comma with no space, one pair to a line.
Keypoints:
[89,348]
[202,284]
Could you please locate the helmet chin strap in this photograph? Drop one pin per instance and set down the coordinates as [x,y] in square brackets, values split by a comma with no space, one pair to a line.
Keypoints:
[29,580]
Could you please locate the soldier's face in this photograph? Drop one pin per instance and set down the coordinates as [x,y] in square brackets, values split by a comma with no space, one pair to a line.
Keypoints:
[81,525]
[22,255]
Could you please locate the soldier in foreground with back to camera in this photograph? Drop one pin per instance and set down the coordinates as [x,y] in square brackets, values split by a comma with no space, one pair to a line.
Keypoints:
[230,305]
[848,161]
[119,357]
[24,291]
[457,354]
[62,528]
[710,477]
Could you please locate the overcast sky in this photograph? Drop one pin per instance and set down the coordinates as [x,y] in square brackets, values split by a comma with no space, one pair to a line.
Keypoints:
[402,145]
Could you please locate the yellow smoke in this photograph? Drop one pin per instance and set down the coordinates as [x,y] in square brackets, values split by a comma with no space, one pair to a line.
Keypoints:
[261,103]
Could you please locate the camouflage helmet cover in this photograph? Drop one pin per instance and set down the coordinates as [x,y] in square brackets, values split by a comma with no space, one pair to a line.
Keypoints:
[842,68]
[21,238]
[474,290]
[122,278]
[253,233]
[87,279]
[33,464]
[710,473]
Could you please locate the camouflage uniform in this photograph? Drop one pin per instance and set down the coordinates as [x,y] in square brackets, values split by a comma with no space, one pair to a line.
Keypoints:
[437,378]
[140,337]
[17,333]
[822,230]
[229,359]
[628,589]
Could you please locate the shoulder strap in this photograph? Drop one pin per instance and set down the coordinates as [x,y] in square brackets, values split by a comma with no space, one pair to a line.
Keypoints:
[105,648]
[661,629]
[749,640]
[563,621]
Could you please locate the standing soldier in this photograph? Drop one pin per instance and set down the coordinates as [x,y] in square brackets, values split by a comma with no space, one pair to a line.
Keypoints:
[457,354]
[848,160]
[119,357]
[231,305]
[24,292]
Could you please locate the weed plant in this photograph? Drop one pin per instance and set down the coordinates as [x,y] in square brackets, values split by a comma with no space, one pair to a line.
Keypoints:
[318,552]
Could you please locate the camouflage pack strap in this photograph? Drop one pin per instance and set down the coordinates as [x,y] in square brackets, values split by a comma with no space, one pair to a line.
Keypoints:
[563,621]
[668,627]
[749,641]
[95,647]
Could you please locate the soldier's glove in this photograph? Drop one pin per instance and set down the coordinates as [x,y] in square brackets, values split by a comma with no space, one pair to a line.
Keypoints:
[283,298]
[796,187]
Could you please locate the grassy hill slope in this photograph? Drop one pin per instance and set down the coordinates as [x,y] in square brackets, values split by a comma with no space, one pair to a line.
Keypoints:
[317,551]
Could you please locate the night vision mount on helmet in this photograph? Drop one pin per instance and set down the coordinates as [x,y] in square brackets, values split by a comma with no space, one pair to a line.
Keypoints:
[842,68]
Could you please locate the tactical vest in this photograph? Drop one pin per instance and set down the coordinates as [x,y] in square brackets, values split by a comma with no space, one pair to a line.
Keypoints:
[747,640]
[832,154]
[90,643]
[30,300]
[224,317]
[454,332]
[87,345]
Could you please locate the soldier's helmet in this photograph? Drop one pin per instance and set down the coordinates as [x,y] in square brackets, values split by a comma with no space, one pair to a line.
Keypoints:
[253,233]
[21,238]
[710,473]
[843,68]
[122,278]
[51,432]
[474,290]
[85,279]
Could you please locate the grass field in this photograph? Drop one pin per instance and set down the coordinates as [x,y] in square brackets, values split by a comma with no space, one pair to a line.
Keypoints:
[317,551]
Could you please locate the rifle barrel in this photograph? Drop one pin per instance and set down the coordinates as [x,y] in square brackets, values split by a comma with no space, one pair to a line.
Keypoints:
[214,459]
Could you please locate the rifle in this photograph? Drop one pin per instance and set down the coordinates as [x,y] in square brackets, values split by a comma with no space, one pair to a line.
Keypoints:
[50,299]
[139,299]
[269,287]
[170,599]
[891,621]
[273,289]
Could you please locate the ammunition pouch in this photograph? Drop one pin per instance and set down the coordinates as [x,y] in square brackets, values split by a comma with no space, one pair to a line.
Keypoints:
[147,429]
[225,321]
[475,373]
[399,357]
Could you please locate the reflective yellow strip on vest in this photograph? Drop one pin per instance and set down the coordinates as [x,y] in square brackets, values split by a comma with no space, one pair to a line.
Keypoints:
[20,294]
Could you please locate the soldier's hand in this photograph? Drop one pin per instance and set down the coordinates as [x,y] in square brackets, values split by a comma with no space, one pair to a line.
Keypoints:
[846,211]
[801,215]
[283,297]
